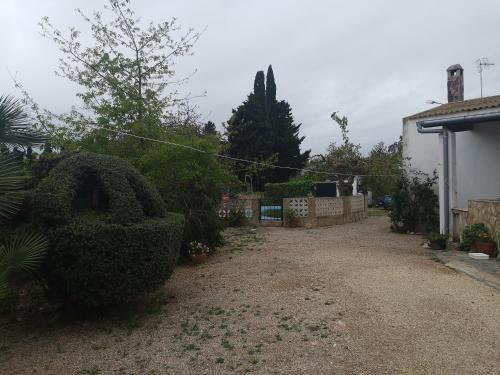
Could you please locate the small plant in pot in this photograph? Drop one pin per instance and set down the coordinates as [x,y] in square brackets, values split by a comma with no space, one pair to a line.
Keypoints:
[437,241]
[485,244]
[198,252]
[476,237]
[470,235]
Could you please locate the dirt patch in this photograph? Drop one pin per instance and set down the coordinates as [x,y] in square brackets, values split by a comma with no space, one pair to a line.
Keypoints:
[352,299]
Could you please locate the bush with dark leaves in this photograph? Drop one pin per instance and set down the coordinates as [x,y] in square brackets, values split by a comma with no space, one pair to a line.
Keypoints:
[110,238]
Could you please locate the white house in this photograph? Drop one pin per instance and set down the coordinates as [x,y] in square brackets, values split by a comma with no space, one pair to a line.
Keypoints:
[461,141]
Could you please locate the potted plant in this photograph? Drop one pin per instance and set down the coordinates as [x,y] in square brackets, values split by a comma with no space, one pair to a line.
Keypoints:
[470,235]
[198,252]
[484,244]
[436,240]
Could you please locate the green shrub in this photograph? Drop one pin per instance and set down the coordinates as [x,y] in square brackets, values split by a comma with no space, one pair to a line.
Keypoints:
[45,163]
[471,234]
[190,183]
[235,217]
[93,263]
[110,238]
[104,184]
[414,204]
[291,189]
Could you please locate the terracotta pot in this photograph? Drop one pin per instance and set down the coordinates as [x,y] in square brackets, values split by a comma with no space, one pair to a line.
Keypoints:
[485,247]
[199,258]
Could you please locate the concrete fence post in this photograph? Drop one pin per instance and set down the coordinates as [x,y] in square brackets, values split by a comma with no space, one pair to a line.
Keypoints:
[346,200]
[251,207]
[311,213]
[286,206]
[365,214]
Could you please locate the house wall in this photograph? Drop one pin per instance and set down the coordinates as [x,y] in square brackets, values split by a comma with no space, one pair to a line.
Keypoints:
[474,161]
[421,151]
[478,164]
[476,153]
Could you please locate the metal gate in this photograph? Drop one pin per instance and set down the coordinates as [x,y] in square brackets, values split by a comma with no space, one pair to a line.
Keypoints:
[271,210]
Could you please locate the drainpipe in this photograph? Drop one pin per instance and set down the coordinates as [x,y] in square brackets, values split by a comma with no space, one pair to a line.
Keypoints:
[446,182]
[446,171]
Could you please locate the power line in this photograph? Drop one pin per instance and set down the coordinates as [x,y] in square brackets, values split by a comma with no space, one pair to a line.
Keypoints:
[233,158]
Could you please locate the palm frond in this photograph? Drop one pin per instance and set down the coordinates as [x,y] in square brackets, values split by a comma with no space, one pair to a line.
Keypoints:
[11,183]
[15,127]
[22,251]
[4,286]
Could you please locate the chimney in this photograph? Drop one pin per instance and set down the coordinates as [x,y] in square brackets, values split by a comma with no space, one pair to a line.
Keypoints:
[455,83]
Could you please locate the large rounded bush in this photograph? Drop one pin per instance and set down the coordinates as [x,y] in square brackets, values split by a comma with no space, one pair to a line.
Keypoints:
[110,238]
[95,264]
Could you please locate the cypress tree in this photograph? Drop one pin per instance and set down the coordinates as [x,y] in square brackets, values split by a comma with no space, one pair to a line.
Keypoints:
[286,142]
[259,88]
[262,127]
[270,88]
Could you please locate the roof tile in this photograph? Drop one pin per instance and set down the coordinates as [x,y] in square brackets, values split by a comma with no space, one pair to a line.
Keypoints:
[462,106]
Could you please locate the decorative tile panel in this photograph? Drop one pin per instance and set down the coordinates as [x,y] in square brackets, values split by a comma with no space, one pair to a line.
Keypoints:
[300,206]
[329,206]
[357,203]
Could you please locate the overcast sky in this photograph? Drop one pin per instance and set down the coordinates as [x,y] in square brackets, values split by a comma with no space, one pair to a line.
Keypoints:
[373,61]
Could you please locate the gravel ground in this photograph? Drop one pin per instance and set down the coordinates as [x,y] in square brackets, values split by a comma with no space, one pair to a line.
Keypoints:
[351,299]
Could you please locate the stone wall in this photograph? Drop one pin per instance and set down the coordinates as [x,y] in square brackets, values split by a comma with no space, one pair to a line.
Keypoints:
[323,212]
[486,212]
[311,212]
[479,211]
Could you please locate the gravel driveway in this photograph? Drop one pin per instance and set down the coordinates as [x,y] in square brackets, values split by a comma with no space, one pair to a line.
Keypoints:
[350,299]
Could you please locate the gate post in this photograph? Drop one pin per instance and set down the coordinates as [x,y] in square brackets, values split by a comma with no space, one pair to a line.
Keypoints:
[347,208]
[311,212]
[251,207]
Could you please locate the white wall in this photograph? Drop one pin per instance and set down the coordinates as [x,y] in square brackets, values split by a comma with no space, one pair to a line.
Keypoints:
[477,158]
[474,161]
[422,149]
[478,163]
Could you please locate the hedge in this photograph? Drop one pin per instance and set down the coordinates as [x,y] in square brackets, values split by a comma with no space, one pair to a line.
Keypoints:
[128,194]
[110,237]
[289,189]
[98,264]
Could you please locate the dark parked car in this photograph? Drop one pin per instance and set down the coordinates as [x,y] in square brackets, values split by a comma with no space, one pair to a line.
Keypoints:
[385,202]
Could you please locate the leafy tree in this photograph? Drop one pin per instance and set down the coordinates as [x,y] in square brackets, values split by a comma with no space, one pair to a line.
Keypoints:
[209,128]
[193,186]
[126,76]
[263,129]
[383,164]
[343,161]
[128,86]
